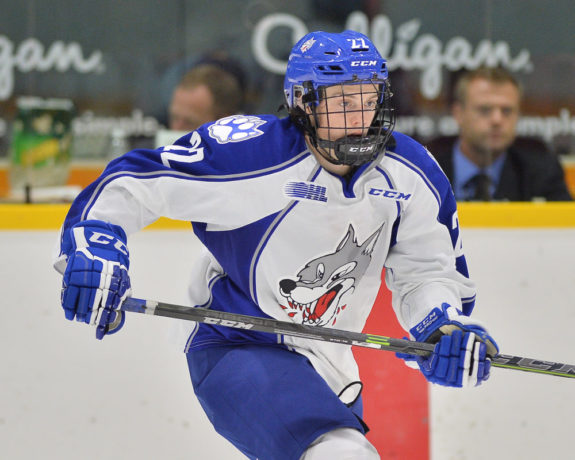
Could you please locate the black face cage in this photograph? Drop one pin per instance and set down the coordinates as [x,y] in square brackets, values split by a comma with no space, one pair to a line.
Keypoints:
[364,138]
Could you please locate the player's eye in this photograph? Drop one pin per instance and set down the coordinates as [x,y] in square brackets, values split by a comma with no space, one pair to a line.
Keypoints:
[371,104]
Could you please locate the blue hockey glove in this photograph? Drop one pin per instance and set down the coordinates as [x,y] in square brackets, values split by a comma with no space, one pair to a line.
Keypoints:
[463,350]
[96,280]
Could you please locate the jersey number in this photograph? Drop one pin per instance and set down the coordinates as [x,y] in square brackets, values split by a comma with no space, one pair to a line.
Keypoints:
[458,246]
[184,154]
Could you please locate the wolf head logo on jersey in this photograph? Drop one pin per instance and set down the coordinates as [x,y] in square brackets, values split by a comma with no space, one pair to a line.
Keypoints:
[236,128]
[318,295]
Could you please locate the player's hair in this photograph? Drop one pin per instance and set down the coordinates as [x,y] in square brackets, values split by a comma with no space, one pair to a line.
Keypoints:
[497,75]
[225,88]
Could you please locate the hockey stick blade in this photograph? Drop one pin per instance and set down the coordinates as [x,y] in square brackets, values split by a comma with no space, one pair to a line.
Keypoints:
[380,342]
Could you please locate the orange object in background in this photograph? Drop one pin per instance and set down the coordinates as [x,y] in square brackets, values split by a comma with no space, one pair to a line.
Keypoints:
[79,174]
[570,178]
[84,175]
[4,184]
[395,397]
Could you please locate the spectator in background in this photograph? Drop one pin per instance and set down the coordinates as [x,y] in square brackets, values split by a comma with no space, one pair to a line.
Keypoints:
[212,89]
[487,161]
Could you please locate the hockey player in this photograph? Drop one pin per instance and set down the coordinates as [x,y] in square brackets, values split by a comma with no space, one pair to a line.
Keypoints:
[299,217]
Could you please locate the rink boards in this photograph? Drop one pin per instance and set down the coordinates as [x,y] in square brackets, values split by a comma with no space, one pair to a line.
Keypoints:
[132,389]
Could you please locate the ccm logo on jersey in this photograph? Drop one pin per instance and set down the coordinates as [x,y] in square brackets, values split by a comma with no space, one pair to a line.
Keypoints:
[363,63]
[228,323]
[393,194]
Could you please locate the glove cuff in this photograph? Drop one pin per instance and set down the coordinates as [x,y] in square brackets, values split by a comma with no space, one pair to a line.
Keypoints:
[103,235]
[429,326]
[442,321]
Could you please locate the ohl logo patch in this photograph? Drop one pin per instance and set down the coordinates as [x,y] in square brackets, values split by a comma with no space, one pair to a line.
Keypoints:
[236,128]
[306,191]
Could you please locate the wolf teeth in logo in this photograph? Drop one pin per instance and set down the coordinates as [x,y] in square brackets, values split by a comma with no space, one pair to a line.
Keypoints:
[317,295]
[236,128]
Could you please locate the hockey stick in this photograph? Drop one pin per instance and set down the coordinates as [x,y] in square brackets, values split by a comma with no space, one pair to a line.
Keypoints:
[380,342]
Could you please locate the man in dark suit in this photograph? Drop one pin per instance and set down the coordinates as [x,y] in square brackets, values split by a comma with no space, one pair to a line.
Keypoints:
[487,161]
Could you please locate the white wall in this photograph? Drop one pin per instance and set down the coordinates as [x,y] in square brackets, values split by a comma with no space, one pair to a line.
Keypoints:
[64,395]
[526,284]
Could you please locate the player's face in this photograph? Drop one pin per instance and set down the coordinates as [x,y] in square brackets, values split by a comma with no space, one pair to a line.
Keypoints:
[488,118]
[346,110]
[190,108]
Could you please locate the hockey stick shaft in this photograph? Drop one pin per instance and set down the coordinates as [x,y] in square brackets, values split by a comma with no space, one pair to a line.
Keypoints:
[380,342]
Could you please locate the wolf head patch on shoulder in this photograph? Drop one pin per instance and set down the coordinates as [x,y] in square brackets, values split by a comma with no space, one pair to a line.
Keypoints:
[235,128]
[318,294]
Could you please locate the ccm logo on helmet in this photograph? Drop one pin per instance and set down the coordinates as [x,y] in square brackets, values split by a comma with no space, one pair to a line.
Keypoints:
[362,63]
[394,194]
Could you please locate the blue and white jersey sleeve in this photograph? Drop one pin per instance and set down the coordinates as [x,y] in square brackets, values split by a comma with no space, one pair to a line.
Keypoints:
[207,176]
[425,264]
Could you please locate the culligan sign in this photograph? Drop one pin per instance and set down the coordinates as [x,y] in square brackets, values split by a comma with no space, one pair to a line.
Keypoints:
[405,48]
[32,56]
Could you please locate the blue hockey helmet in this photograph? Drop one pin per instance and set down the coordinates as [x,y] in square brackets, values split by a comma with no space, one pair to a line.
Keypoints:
[320,60]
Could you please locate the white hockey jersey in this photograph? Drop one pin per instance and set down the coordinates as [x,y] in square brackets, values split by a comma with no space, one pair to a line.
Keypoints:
[287,239]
